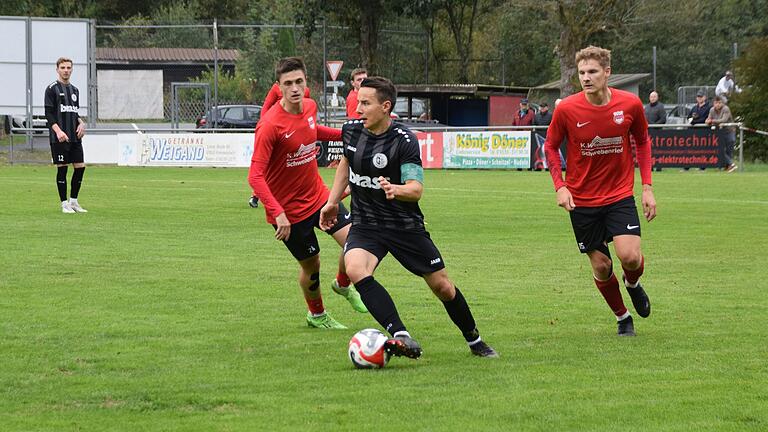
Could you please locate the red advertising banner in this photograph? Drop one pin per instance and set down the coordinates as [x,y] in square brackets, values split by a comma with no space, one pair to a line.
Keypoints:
[431,149]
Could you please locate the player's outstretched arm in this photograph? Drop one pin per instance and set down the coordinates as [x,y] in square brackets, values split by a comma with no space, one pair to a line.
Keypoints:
[410,191]
[649,203]
[330,210]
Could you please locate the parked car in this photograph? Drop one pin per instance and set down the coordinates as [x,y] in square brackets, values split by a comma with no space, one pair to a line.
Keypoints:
[678,114]
[418,108]
[231,116]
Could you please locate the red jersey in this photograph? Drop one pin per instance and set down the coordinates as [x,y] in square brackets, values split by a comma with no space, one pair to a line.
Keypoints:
[274,95]
[352,104]
[599,167]
[283,170]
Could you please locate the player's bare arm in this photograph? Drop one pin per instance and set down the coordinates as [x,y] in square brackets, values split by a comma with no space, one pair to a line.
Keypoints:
[410,191]
[60,135]
[80,128]
[330,210]
[565,199]
[649,203]
[283,231]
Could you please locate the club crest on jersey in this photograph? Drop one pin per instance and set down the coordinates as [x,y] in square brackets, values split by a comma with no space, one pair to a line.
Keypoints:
[311,121]
[74,97]
[379,160]
[618,117]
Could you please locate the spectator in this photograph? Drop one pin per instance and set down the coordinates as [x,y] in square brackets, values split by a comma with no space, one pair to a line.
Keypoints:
[654,111]
[720,114]
[543,117]
[524,117]
[700,111]
[355,78]
[726,87]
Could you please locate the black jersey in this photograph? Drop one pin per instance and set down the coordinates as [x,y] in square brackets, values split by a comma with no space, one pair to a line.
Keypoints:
[371,156]
[62,102]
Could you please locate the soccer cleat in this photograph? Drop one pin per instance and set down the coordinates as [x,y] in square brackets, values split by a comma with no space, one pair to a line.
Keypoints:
[482,349]
[351,294]
[75,206]
[626,327]
[324,321]
[253,202]
[640,299]
[66,208]
[732,167]
[403,346]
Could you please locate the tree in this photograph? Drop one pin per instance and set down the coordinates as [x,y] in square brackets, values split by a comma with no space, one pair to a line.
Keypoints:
[752,103]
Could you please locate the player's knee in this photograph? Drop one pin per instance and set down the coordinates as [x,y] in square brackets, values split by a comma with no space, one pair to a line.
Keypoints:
[631,259]
[602,267]
[356,272]
[311,265]
[444,289]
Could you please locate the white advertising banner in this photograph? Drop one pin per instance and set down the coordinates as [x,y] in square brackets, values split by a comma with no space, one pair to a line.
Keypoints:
[186,149]
[487,149]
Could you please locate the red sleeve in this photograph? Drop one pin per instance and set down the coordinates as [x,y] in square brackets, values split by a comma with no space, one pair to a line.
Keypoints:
[306,92]
[639,131]
[265,138]
[555,135]
[325,133]
[352,105]
[273,96]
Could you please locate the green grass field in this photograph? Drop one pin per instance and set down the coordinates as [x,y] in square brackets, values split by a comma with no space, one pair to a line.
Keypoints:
[171,307]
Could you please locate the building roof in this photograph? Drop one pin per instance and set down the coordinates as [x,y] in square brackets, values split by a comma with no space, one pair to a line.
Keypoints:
[615,80]
[457,89]
[164,55]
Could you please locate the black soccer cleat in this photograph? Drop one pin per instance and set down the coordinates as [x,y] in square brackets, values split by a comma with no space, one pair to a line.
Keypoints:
[627,327]
[403,346]
[253,202]
[640,299]
[482,349]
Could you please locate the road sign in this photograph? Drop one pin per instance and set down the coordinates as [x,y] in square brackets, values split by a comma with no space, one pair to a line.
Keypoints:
[334,83]
[334,67]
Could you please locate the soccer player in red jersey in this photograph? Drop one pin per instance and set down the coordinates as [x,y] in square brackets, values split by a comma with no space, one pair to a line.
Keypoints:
[273,96]
[598,187]
[285,177]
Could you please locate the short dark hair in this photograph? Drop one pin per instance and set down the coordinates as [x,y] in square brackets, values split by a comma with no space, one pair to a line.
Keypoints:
[719,98]
[385,90]
[357,71]
[64,60]
[289,64]
[543,104]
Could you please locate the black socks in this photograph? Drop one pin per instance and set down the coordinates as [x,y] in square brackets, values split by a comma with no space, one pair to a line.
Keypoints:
[380,304]
[458,310]
[77,178]
[61,182]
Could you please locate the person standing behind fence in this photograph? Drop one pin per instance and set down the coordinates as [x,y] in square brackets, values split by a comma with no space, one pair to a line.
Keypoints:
[719,115]
[654,111]
[66,129]
[543,117]
[355,78]
[726,87]
[524,116]
[700,111]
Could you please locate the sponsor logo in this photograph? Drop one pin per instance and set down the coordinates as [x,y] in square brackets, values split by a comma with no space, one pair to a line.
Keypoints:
[618,117]
[288,135]
[379,160]
[354,149]
[67,108]
[304,154]
[602,146]
[580,124]
[364,181]
[435,261]
[631,227]
[348,215]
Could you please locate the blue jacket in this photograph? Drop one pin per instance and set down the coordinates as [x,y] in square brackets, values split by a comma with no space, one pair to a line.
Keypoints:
[699,114]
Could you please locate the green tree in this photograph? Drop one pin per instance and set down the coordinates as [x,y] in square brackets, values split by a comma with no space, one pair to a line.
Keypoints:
[752,103]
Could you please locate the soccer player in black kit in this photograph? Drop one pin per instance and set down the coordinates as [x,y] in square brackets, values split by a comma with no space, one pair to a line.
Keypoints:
[66,129]
[382,166]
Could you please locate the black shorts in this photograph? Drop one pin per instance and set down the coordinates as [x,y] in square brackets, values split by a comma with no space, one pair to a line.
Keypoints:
[67,152]
[413,249]
[303,242]
[594,226]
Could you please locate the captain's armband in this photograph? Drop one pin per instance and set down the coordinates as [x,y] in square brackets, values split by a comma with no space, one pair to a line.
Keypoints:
[411,171]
